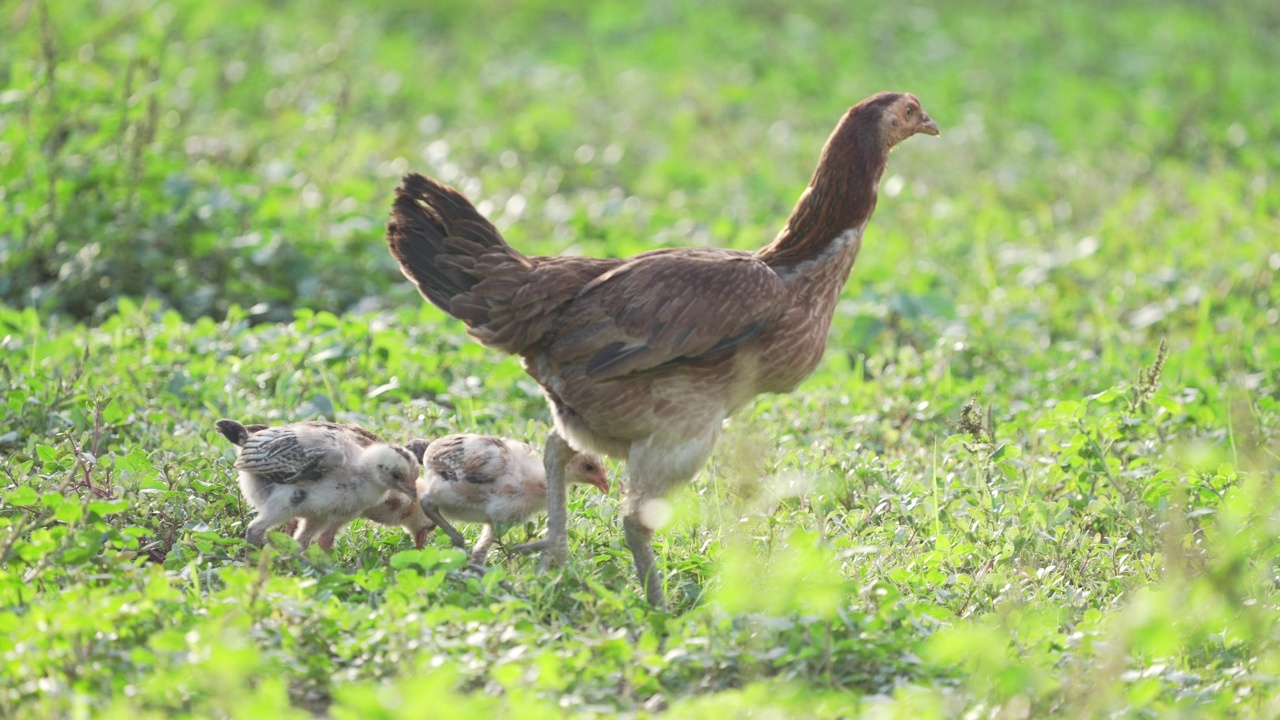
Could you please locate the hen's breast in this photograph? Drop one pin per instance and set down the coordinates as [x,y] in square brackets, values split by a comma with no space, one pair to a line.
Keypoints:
[793,347]
[605,416]
[790,353]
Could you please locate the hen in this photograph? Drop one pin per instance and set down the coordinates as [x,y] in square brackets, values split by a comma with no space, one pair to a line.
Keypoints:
[642,358]
[323,473]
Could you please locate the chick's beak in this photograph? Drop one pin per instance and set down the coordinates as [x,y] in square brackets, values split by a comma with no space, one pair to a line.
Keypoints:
[927,125]
[410,484]
[601,482]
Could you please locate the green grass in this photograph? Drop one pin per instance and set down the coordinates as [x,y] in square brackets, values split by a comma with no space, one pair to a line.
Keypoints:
[997,497]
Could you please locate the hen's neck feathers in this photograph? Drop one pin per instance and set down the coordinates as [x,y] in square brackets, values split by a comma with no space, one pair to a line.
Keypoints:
[842,194]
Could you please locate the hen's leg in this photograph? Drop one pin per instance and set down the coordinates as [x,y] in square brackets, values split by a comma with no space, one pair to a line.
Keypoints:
[657,465]
[555,545]
[554,457]
[640,541]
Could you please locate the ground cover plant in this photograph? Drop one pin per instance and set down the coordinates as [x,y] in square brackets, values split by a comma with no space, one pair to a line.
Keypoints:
[1035,474]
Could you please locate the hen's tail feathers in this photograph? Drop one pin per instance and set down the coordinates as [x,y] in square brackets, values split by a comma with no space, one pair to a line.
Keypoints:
[449,250]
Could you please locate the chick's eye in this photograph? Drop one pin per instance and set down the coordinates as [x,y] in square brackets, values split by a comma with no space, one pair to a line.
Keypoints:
[910,110]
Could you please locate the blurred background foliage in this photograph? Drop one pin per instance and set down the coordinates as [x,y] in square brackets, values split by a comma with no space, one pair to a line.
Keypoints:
[245,153]
[1035,475]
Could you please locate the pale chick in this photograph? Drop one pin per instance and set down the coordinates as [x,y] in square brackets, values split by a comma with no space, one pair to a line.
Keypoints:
[325,474]
[400,508]
[486,479]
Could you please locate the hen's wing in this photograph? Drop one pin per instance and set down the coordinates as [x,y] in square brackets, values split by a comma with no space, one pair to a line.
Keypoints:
[478,459]
[665,308]
[291,453]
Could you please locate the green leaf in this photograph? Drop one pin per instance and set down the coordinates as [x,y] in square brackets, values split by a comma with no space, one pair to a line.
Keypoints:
[136,461]
[1006,452]
[69,512]
[284,543]
[78,555]
[112,414]
[426,558]
[23,496]
[1108,396]
[152,485]
[103,508]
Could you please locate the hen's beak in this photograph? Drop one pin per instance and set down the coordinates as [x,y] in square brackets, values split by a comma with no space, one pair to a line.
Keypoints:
[928,126]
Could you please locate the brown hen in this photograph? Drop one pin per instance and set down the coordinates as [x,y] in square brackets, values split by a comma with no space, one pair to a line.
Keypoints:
[643,358]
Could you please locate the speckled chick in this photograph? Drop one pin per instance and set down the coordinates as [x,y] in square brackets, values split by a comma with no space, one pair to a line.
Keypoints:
[486,479]
[324,474]
[495,481]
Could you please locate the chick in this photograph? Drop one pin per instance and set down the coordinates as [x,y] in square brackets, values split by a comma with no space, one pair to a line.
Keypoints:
[324,473]
[397,507]
[491,480]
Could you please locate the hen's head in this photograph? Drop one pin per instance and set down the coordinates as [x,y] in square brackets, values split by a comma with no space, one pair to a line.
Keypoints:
[889,117]
[901,117]
[589,469]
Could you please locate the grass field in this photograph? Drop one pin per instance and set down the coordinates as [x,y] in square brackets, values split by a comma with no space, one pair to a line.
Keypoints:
[1034,476]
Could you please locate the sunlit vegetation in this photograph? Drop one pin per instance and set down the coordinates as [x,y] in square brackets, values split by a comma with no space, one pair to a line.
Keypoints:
[1035,475]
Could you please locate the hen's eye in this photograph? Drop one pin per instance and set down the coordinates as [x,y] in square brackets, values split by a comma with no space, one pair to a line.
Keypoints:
[910,110]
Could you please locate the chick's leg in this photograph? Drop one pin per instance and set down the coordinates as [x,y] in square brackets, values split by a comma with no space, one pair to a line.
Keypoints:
[480,552]
[325,540]
[555,545]
[433,514]
[256,533]
[308,529]
[275,510]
